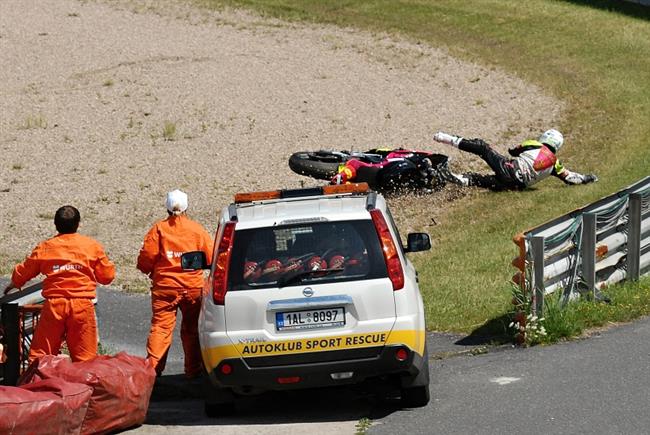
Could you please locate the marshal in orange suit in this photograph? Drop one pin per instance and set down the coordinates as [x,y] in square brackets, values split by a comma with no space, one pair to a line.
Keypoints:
[172,288]
[73,265]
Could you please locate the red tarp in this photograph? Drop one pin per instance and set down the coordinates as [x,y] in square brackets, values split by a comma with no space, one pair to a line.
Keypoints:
[121,385]
[51,406]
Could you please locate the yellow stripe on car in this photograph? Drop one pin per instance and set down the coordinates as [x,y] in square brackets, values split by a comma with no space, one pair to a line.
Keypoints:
[413,339]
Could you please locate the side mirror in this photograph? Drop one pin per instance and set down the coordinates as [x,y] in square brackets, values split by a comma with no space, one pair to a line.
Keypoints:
[194,260]
[418,242]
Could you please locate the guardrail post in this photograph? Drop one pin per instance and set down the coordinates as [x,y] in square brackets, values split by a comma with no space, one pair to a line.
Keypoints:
[634,237]
[10,319]
[588,252]
[537,245]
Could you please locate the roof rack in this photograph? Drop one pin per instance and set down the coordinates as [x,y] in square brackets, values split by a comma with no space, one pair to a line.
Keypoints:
[297,193]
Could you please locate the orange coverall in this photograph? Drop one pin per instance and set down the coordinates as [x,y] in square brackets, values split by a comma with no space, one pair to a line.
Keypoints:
[73,265]
[172,288]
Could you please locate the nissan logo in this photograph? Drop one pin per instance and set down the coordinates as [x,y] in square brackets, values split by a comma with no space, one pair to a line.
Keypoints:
[308,292]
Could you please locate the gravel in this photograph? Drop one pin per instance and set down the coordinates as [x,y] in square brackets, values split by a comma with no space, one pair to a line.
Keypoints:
[107,105]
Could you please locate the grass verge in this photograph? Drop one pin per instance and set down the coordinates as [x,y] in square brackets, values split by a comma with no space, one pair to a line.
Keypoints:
[627,302]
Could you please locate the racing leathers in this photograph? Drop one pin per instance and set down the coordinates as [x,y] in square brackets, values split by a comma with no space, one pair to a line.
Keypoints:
[531,162]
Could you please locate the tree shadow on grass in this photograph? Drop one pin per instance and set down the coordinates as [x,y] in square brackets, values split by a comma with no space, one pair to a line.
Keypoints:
[628,8]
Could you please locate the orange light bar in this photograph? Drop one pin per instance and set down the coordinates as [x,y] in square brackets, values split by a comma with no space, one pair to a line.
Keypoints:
[256,196]
[345,188]
[294,193]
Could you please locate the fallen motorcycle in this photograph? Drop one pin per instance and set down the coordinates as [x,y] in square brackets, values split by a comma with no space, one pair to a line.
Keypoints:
[382,169]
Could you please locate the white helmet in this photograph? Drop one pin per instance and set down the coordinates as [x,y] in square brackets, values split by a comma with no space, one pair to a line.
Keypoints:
[552,138]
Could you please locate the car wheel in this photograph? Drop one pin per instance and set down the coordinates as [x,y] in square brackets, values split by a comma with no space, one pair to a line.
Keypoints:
[415,397]
[214,410]
[219,402]
[415,392]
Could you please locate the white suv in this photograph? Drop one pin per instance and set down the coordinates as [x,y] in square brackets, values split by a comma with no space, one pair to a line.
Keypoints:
[311,288]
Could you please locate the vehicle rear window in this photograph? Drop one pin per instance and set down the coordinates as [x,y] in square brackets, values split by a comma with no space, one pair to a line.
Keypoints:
[267,257]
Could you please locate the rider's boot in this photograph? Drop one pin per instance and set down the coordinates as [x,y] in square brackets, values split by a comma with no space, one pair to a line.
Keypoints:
[459,179]
[448,139]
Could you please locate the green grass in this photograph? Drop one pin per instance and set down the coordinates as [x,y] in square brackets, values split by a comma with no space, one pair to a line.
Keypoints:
[169,131]
[593,55]
[104,349]
[628,302]
[33,122]
[362,426]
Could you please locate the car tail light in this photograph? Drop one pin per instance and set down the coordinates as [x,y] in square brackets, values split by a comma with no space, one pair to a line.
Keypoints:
[391,256]
[289,380]
[401,354]
[222,263]
[225,368]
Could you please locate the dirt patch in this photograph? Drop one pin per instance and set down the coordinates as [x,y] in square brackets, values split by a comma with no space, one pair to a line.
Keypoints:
[109,105]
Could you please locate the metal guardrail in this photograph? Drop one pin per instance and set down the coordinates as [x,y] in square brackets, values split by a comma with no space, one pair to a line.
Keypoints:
[588,249]
[28,295]
[19,315]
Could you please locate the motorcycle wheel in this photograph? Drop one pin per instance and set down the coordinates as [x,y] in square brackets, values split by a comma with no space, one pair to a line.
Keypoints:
[322,165]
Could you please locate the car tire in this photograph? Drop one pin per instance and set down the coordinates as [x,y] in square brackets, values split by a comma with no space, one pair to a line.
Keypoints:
[219,402]
[214,410]
[415,397]
[415,393]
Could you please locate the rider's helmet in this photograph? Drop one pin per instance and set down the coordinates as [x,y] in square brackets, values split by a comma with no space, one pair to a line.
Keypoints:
[553,139]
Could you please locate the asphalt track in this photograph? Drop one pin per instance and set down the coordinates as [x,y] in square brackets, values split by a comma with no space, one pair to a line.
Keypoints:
[597,385]
[176,403]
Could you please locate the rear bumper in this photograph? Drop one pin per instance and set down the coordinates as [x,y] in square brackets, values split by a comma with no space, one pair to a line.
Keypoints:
[316,369]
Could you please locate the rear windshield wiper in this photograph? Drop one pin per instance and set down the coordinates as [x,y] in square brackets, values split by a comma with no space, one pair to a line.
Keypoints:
[290,279]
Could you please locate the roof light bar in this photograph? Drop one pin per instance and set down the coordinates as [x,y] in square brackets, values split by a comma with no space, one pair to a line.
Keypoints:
[345,188]
[256,196]
[296,193]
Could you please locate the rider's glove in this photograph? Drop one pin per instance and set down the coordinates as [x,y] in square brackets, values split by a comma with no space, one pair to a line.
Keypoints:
[589,178]
[339,179]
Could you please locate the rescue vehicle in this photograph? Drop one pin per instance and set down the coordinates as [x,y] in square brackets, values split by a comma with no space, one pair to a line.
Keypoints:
[311,288]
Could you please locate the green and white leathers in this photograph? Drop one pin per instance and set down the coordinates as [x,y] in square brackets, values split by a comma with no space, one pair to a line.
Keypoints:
[537,161]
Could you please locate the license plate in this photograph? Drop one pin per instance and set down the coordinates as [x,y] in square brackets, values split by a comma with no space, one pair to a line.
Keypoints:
[310,319]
